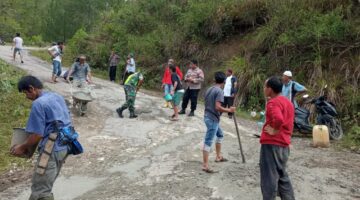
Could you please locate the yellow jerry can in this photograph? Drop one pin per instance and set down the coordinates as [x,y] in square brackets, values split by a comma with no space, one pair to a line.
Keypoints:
[321,136]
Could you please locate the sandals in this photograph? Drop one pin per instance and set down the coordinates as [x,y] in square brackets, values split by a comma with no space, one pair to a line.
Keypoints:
[222,159]
[172,118]
[208,170]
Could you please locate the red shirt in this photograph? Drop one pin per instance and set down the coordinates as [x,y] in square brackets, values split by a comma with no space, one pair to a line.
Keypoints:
[280,116]
[167,75]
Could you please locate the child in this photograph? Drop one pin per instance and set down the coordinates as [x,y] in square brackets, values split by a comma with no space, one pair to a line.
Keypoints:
[177,92]
[214,98]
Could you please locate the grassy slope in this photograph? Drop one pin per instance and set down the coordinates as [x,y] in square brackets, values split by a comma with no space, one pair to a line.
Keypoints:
[14,110]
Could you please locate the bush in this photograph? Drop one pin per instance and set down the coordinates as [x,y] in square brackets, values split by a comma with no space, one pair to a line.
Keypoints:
[36,40]
[352,138]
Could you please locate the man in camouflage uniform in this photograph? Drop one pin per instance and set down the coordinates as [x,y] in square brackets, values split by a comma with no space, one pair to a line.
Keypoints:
[131,87]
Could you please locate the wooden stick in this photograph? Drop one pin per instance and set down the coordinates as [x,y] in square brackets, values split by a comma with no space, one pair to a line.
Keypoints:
[239,140]
[237,129]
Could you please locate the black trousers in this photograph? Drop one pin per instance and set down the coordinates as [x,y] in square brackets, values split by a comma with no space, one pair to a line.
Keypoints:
[191,95]
[228,102]
[112,73]
[274,178]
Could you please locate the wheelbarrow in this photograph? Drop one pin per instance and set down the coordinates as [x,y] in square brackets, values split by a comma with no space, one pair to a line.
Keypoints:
[81,94]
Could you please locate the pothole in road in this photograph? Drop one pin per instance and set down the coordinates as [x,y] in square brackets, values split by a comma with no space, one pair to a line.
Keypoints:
[131,169]
[68,188]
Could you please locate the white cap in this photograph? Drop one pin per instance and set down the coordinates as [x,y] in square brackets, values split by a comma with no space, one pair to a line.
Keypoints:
[287,73]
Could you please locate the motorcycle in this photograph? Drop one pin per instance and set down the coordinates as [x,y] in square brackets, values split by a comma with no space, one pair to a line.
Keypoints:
[326,115]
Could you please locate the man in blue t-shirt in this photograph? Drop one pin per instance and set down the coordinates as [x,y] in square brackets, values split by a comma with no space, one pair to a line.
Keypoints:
[80,71]
[291,88]
[214,99]
[47,108]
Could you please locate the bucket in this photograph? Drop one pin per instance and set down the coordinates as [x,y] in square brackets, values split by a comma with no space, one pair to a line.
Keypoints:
[19,137]
[168,97]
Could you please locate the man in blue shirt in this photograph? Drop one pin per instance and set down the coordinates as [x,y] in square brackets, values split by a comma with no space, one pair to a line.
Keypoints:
[80,71]
[47,108]
[291,88]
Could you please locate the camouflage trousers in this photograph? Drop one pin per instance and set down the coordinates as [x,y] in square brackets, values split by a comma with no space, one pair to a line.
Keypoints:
[130,93]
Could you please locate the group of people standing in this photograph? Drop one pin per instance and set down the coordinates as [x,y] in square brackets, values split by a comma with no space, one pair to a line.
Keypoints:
[189,90]
[219,98]
[114,61]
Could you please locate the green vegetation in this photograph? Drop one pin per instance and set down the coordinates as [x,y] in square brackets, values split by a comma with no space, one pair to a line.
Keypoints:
[319,41]
[14,112]
[352,139]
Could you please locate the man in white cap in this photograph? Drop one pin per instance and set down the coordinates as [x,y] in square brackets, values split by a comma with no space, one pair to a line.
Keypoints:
[291,88]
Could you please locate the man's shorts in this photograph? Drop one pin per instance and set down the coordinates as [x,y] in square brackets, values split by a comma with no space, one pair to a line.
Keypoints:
[213,128]
[17,50]
[57,68]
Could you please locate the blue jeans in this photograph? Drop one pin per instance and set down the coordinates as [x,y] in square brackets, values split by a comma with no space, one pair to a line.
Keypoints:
[56,68]
[167,89]
[213,128]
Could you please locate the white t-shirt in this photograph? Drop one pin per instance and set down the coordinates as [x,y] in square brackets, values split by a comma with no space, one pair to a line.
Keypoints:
[56,50]
[131,66]
[227,87]
[18,42]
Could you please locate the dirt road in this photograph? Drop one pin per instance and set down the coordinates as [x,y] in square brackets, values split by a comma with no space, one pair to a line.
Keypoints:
[154,158]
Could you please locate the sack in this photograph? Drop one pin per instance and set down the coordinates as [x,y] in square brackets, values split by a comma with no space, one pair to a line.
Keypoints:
[68,136]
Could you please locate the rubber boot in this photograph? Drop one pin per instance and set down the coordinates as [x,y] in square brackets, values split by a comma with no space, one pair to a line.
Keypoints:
[166,104]
[191,114]
[182,112]
[132,115]
[119,112]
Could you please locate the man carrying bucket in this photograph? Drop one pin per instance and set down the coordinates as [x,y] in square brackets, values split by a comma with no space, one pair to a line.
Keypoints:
[131,87]
[47,108]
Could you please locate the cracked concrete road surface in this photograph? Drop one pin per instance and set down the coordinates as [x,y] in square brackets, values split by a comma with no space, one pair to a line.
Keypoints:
[152,157]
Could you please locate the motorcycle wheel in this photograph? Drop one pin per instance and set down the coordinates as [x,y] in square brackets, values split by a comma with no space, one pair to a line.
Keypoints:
[335,130]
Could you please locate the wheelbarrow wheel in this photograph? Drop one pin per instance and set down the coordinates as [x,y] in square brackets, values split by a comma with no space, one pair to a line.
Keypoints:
[82,108]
